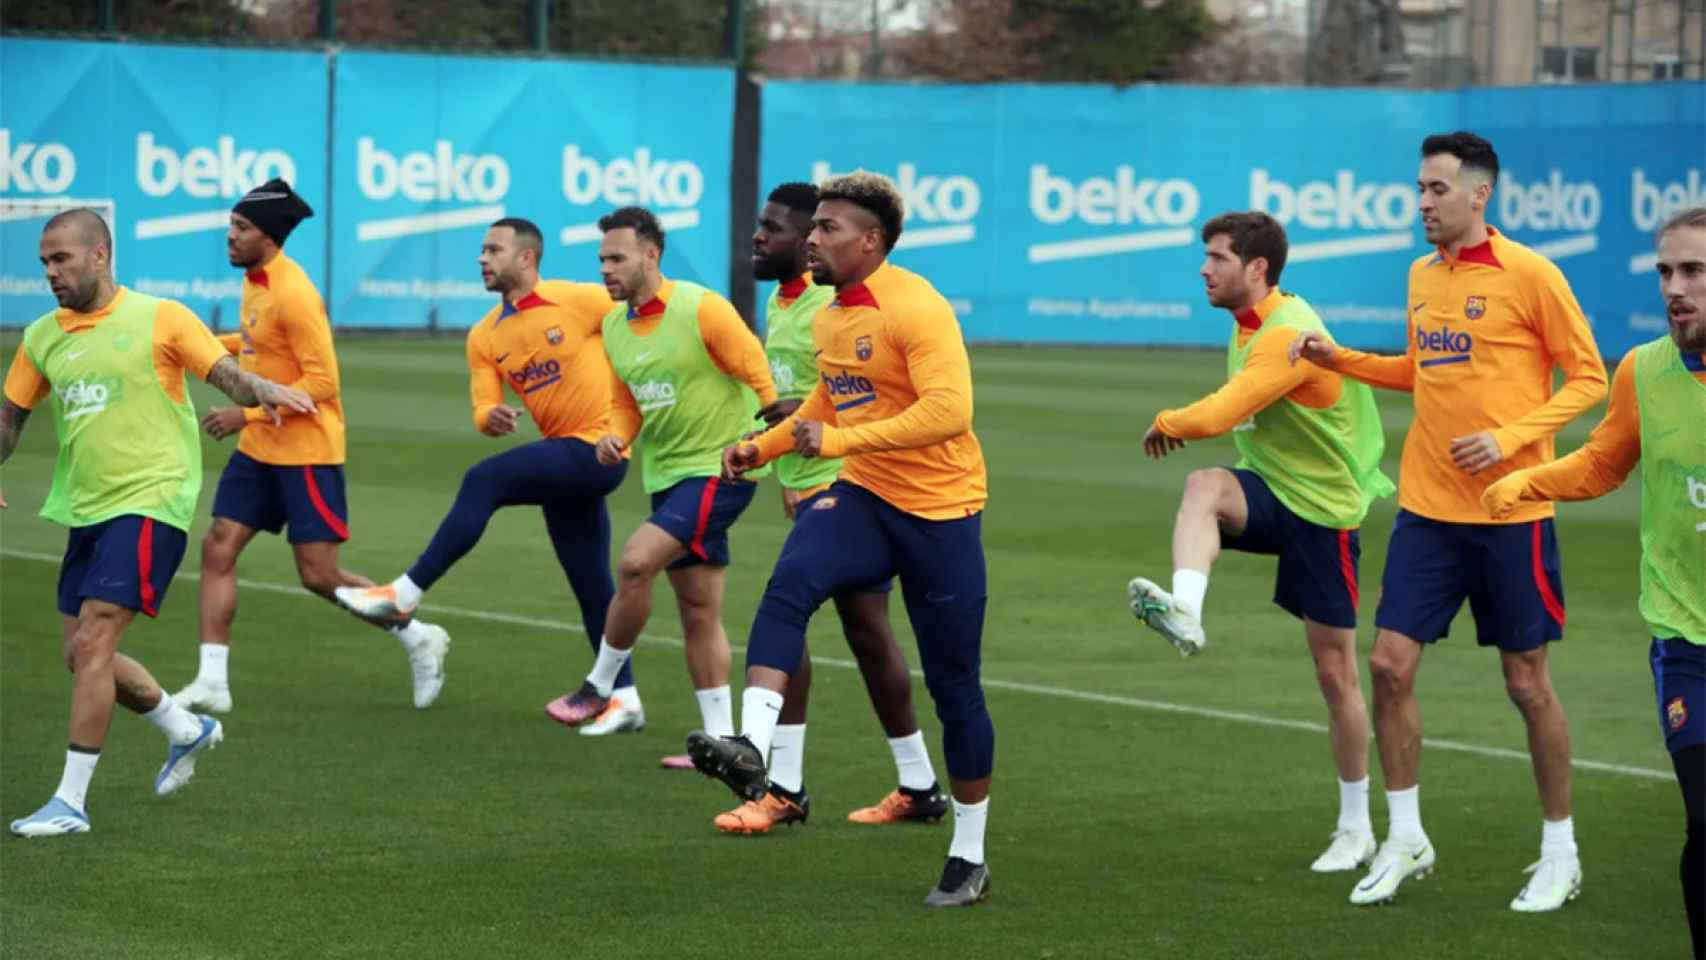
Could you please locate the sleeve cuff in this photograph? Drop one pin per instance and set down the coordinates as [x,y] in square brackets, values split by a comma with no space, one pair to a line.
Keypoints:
[257,414]
[835,443]
[1508,442]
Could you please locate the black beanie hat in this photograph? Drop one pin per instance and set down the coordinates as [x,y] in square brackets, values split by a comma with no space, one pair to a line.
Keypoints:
[274,208]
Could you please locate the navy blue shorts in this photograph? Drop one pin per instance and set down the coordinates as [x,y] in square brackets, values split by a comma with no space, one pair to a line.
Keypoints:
[1679,679]
[265,496]
[884,585]
[1317,575]
[1511,574]
[699,511]
[128,561]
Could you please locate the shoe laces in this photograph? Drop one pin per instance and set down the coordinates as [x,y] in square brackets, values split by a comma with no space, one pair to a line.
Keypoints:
[895,802]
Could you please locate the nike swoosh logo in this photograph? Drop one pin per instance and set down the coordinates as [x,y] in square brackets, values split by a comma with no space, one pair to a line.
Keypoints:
[1374,881]
[77,353]
[501,356]
[1417,308]
[642,357]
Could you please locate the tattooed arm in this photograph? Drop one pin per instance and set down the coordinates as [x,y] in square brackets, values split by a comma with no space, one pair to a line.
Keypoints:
[248,390]
[12,419]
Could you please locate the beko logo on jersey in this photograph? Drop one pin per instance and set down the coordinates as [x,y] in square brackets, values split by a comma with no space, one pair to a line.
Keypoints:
[1123,200]
[1454,344]
[443,175]
[858,390]
[223,171]
[1554,204]
[940,208]
[35,167]
[81,398]
[536,375]
[1697,496]
[1652,202]
[670,188]
[653,395]
[1385,212]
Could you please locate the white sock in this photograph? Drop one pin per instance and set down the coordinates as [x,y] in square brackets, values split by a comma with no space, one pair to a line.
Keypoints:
[1353,805]
[74,783]
[759,711]
[179,725]
[788,757]
[969,820]
[214,657]
[408,593]
[1404,807]
[1190,587]
[1558,837]
[716,711]
[607,666]
[912,761]
[629,695]
[409,634]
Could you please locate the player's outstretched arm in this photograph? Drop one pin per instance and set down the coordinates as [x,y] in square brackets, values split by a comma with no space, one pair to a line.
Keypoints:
[247,390]
[1391,373]
[1593,470]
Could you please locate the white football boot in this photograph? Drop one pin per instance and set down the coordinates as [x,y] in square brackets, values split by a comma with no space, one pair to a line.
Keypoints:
[1348,850]
[1167,616]
[1394,864]
[1552,882]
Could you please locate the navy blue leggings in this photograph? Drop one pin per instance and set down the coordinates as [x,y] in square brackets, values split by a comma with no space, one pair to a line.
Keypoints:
[564,477]
[850,538]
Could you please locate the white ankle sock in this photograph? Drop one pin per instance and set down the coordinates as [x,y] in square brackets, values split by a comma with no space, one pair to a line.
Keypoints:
[788,757]
[716,711]
[408,594]
[759,711]
[214,657]
[179,725]
[607,666]
[1353,805]
[74,783]
[1558,837]
[629,695]
[1190,587]
[912,761]
[969,821]
[1404,807]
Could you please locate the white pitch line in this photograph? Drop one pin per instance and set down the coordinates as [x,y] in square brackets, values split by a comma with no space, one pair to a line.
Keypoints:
[1064,693]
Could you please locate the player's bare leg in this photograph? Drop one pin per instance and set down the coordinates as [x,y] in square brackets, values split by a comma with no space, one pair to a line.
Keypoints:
[1213,504]
[888,682]
[1407,851]
[648,552]
[1334,651]
[1557,876]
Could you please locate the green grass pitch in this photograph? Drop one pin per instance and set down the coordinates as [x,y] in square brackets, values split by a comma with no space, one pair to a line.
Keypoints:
[1143,805]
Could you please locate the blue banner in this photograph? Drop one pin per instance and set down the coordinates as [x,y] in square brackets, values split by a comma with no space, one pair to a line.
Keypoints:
[556,142]
[1072,214]
[162,140]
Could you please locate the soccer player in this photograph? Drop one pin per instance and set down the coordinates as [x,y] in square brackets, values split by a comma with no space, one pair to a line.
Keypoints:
[1489,321]
[894,399]
[1309,448]
[542,338]
[690,378]
[290,474]
[1657,416]
[779,254]
[125,483]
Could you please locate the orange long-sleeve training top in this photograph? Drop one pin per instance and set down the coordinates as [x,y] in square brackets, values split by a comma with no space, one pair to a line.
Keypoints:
[287,338]
[1267,375]
[1611,452]
[733,347]
[894,393]
[1486,329]
[549,347]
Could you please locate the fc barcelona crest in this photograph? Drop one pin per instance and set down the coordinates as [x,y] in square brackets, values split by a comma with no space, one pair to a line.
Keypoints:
[862,347]
[1676,714]
[554,336]
[1475,307]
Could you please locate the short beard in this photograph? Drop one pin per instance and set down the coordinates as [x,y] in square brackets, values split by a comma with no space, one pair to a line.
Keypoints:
[1692,339]
[776,268]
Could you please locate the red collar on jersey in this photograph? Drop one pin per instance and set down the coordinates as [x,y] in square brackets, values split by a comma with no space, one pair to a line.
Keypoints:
[1254,316]
[858,295]
[791,289]
[259,277]
[651,308]
[528,302]
[1481,253]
